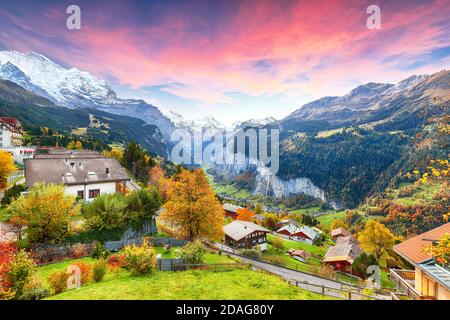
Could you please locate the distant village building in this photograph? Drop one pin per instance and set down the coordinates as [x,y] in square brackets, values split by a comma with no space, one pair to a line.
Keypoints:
[86,174]
[342,255]
[231,210]
[300,255]
[293,230]
[11,139]
[339,232]
[429,280]
[11,133]
[245,235]
[259,218]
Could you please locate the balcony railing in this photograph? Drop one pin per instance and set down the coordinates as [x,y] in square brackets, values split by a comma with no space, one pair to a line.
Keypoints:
[404,280]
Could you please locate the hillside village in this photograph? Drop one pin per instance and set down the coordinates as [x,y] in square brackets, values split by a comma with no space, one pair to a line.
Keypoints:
[120,214]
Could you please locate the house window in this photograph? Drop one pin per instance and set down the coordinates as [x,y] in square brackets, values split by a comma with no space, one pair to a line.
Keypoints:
[80,194]
[93,193]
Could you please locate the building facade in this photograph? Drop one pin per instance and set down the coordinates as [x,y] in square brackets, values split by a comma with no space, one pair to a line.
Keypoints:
[245,235]
[429,280]
[86,175]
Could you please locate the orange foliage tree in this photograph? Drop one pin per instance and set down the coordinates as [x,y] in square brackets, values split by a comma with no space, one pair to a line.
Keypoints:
[193,207]
[245,214]
[157,178]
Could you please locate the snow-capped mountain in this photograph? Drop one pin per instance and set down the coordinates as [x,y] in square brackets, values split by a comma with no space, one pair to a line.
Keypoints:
[374,101]
[194,124]
[73,88]
[254,123]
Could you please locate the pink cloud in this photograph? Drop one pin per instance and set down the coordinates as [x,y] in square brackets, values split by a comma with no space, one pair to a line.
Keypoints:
[328,43]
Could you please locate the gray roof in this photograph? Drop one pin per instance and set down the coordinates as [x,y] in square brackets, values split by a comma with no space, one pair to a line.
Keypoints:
[239,229]
[73,171]
[437,272]
[230,207]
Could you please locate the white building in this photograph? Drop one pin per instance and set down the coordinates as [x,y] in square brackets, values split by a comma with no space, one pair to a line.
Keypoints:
[11,136]
[85,177]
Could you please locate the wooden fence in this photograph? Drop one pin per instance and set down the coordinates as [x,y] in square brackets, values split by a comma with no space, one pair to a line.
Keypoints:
[118,245]
[214,267]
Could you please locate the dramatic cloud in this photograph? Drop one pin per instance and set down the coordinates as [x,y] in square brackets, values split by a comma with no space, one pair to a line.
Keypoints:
[205,51]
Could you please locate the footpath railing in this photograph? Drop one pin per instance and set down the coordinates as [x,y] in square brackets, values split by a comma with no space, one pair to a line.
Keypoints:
[352,293]
[354,287]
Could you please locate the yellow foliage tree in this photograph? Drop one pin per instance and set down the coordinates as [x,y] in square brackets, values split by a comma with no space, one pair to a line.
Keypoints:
[46,212]
[114,153]
[75,145]
[441,250]
[193,207]
[338,223]
[376,239]
[7,167]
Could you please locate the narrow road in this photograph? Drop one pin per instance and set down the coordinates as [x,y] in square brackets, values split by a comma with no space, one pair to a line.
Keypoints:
[310,282]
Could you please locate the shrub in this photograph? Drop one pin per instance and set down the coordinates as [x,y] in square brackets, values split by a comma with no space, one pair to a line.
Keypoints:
[140,260]
[142,204]
[193,252]
[12,193]
[106,212]
[99,251]
[275,260]
[85,270]
[117,260]
[34,290]
[58,281]
[48,212]
[35,294]
[20,273]
[99,271]
[252,253]
[362,262]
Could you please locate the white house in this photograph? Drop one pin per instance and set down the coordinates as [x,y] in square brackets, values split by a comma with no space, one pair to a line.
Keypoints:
[11,136]
[85,176]
[294,231]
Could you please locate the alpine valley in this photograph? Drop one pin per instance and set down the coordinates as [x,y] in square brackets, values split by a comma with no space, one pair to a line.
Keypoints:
[333,151]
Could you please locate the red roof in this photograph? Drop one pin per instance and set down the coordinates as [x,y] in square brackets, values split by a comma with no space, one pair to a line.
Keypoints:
[10,120]
[412,249]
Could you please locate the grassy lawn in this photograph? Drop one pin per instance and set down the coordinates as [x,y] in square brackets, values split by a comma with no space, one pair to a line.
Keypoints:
[328,219]
[289,244]
[422,194]
[290,262]
[192,285]
[209,257]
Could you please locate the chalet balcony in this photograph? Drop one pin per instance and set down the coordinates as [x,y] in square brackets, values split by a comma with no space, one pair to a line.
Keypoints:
[405,282]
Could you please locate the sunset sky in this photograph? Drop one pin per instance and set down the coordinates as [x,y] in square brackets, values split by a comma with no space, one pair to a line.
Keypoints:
[234,60]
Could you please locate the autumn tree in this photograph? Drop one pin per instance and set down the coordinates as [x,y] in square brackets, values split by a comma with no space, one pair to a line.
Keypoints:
[441,250]
[245,214]
[277,243]
[46,212]
[7,167]
[258,209]
[157,178]
[376,239]
[271,221]
[114,153]
[338,223]
[75,145]
[193,207]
